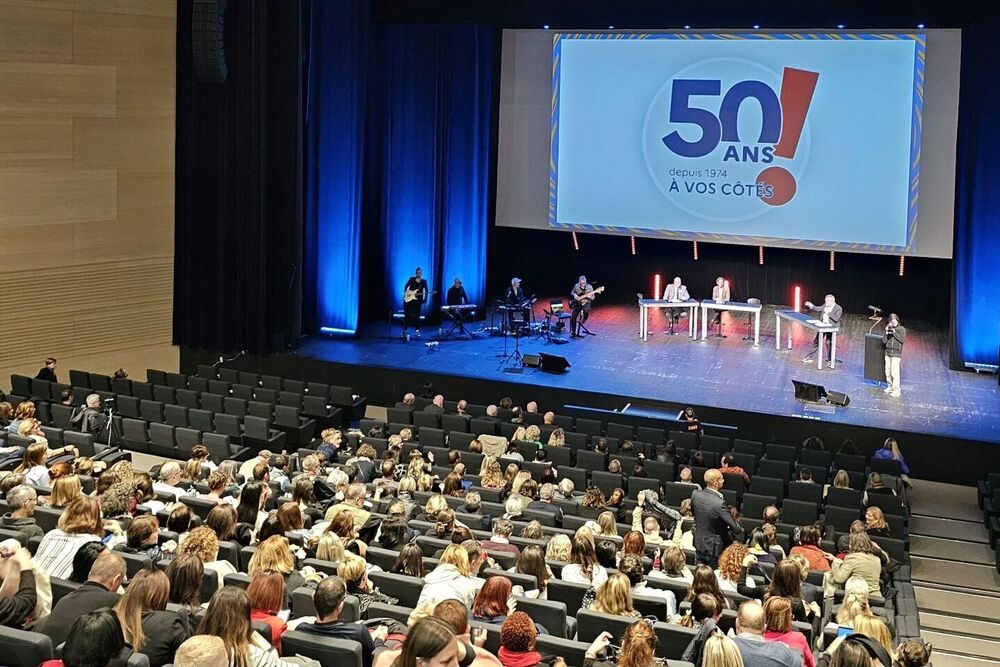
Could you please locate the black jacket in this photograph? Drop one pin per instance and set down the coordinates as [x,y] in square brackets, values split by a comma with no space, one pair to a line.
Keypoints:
[165,631]
[894,343]
[714,527]
[14,610]
[89,597]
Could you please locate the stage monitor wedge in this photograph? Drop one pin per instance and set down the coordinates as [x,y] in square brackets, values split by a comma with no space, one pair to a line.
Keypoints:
[807,391]
[553,363]
[815,393]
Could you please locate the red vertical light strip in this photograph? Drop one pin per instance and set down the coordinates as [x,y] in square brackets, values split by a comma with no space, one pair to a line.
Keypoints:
[695,248]
[760,255]
[656,286]
[576,243]
[632,240]
[798,298]
[833,261]
[902,264]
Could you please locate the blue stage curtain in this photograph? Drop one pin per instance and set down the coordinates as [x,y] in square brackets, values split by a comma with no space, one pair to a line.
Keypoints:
[976,304]
[431,99]
[336,58]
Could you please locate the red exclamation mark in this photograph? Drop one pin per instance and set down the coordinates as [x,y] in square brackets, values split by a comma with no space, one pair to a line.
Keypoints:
[776,185]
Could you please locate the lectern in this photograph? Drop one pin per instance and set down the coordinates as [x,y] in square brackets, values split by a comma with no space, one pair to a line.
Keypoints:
[874,358]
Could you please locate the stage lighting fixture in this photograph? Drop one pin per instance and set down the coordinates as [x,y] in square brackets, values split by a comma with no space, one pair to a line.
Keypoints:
[611,27]
[656,286]
[687,27]
[902,265]
[632,241]
[576,243]
[798,298]
[545,27]
[695,248]
[756,26]
[833,261]
[840,26]
[920,26]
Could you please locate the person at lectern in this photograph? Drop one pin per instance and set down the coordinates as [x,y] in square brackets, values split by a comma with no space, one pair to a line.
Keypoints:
[892,341]
[676,291]
[829,313]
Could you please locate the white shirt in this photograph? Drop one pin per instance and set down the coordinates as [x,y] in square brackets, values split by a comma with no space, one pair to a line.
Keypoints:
[574,573]
[642,589]
[37,476]
[163,487]
[56,551]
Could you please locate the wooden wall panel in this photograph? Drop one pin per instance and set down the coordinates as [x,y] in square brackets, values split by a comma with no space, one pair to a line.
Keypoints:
[36,35]
[87,115]
[122,39]
[31,142]
[45,196]
[51,89]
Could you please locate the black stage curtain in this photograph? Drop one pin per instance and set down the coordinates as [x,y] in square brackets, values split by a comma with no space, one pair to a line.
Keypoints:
[238,232]
[549,266]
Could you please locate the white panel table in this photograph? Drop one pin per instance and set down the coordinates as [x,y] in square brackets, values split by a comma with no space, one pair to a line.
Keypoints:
[690,305]
[812,324]
[734,306]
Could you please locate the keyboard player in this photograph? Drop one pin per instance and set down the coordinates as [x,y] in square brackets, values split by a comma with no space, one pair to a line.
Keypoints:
[456,296]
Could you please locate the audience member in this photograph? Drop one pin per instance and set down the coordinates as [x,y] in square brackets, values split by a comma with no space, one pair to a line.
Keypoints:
[714,525]
[146,624]
[79,523]
[202,651]
[755,651]
[22,500]
[228,617]
[778,628]
[329,602]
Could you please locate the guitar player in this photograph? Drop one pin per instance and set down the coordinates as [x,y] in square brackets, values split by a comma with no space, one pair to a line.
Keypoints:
[581,297]
[414,295]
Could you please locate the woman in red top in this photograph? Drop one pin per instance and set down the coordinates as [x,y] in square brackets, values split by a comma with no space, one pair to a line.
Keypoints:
[267,595]
[809,538]
[778,628]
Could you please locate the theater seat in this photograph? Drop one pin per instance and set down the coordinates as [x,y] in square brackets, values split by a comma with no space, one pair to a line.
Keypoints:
[327,651]
[21,648]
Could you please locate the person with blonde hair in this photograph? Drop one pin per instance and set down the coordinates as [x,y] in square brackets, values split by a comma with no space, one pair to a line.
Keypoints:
[354,571]
[721,651]
[559,548]
[148,627]
[557,438]
[79,523]
[491,476]
[874,627]
[434,505]
[274,553]
[614,597]
[202,651]
[330,547]
[203,543]
[450,580]
[605,526]
[64,490]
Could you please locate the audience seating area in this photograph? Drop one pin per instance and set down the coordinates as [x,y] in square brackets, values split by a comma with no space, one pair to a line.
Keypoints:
[170,413]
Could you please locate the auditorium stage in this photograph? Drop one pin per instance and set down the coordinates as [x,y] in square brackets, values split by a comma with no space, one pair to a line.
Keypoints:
[730,380]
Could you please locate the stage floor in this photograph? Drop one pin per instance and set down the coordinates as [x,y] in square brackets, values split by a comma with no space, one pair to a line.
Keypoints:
[727,373]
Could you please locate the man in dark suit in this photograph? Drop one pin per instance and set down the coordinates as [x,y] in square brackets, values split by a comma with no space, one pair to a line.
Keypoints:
[714,525]
[829,313]
[106,575]
[437,406]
